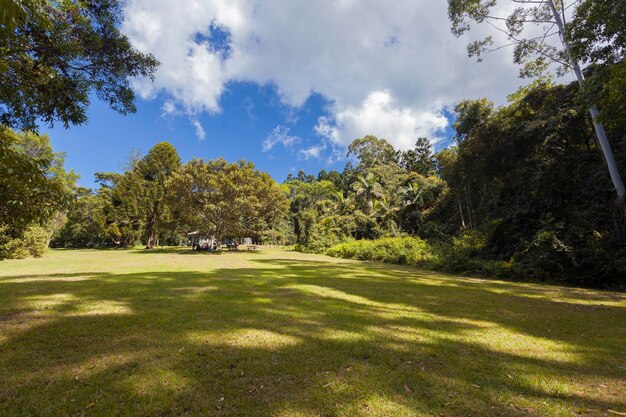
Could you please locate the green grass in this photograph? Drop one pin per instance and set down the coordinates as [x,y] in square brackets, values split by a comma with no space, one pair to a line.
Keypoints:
[168,333]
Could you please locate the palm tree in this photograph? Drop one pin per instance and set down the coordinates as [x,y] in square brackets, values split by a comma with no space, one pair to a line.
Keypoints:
[412,197]
[386,213]
[368,188]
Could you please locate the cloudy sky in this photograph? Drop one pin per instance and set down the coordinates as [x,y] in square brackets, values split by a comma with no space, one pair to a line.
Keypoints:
[288,84]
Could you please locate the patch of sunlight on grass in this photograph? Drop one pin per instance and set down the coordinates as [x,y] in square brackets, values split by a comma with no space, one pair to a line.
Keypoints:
[578,296]
[384,405]
[155,381]
[344,336]
[551,386]
[94,365]
[290,412]
[101,307]
[336,294]
[49,301]
[400,333]
[21,323]
[503,340]
[389,310]
[196,290]
[45,279]
[245,338]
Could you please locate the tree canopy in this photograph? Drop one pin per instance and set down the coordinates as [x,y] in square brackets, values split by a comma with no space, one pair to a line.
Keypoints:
[226,199]
[53,55]
[34,187]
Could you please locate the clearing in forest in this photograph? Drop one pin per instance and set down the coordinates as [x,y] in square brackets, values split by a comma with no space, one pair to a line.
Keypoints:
[274,332]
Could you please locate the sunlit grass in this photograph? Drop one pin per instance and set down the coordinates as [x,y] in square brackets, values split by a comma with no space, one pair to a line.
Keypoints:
[282,333]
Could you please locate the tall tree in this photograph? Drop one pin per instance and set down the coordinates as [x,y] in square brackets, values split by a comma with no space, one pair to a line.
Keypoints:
[371,151]
[54,54]
[226,199]
[368,189]
[138,196]
[536,52]
[152,172]
[420,159]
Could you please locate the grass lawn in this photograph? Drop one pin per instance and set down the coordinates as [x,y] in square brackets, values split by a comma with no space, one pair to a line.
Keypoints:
[169,333]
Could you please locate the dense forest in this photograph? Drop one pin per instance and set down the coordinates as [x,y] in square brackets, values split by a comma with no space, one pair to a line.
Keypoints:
[523,193]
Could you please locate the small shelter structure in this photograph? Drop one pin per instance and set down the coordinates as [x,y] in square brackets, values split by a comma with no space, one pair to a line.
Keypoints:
[199,241]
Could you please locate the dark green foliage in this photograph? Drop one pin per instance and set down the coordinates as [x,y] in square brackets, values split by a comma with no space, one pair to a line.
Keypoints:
[32,184]
[531,177]
[53,55]
[524,193]
[34,188]
[419,159]
[467,253]
[134,205]
[85,226]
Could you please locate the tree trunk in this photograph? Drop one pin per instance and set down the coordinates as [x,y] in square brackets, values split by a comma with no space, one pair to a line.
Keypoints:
[458,200]
[609,158]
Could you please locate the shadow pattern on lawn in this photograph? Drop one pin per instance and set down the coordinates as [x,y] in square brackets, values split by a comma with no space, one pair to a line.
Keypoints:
[294,337]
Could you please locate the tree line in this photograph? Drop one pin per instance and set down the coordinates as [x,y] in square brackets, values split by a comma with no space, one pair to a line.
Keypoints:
[157,201]
[523,191]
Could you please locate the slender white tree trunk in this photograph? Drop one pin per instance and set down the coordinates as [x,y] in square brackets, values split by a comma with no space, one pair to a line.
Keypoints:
[618,183]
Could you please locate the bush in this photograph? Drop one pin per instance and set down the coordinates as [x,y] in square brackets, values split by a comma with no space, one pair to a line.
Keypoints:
[35,241]
[466,253]
[10,248]
[32,242]
[396,250]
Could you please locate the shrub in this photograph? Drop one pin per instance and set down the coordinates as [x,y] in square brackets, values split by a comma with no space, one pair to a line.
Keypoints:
[32,242]
[467,253]
[460,255]
[35,241]
[397,250]
[10,248]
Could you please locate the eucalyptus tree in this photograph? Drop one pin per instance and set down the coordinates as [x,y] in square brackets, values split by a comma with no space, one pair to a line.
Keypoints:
[371,151]
[531,28]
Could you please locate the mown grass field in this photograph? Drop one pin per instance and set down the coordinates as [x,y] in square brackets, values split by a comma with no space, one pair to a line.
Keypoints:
[169,333]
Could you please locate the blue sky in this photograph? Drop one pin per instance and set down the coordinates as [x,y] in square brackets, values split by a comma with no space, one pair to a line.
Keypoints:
[250,115]
[287,85]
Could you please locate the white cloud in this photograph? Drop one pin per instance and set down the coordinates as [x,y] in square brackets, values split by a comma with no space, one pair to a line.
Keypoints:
[281,135]
[312,152]
[379,116]
[200,133]
[387,67]
[168,108]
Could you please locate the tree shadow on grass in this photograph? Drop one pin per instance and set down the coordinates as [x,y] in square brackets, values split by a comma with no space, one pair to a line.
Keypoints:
[188,251]
[294,337]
